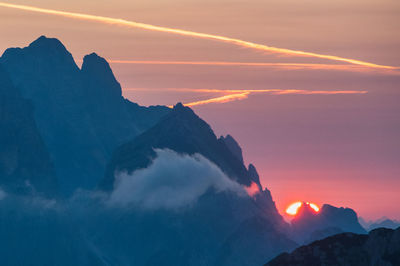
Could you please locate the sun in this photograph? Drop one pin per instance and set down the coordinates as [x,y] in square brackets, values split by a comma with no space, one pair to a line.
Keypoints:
[294,207]
[313,206]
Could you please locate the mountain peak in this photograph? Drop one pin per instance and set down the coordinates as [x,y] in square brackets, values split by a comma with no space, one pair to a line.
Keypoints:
[46,41]
[180,108]
[48,45]
[185,116]
[97,69]
[94,58]
[42,54]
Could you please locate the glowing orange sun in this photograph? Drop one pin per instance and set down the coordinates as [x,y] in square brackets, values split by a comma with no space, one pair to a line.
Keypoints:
[294,207]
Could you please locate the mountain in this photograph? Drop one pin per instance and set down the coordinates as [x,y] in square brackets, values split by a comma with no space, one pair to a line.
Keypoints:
[380,247]
[233,146]
[34,232]
[80,113]
[219,229]
[387,223]
[25,163]
[382,222]
[234,230]
[184,132]
[309,225]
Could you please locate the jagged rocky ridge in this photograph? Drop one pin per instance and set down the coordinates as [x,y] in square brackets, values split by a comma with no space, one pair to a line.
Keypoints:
[182,131]
[80,113]
[251,225]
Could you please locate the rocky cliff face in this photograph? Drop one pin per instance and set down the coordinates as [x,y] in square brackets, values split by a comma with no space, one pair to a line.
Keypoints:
[25,164]
[184,132]
[380,247]
[233,146]
[80,113]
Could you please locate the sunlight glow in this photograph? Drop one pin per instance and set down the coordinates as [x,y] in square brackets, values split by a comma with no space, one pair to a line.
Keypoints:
[294,207]
[252,190]
[238,42]
[315,207]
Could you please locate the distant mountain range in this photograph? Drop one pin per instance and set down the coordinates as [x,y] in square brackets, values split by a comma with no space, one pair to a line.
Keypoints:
[382,222]
[88,177]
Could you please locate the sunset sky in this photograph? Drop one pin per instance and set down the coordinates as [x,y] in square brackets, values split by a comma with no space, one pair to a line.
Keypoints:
[318,130]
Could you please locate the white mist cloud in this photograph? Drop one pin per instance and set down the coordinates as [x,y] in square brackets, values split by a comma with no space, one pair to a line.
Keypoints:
[172,181]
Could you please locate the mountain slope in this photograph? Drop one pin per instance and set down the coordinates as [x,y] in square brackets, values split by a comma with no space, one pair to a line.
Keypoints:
[184,132]
[233,228]
[380,247]
[25,164]
[34,231]
[80,113]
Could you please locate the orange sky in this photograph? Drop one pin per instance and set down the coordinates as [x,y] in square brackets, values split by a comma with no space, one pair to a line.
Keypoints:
[337,149]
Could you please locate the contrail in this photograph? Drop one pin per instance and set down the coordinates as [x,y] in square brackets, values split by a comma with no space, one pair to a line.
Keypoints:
[234,41]
[291,66]
[237,95]
[243,94]
[272,91]
[221,99]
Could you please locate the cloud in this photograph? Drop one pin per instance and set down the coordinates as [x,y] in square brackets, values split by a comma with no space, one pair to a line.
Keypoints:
[234,41]
[245,93]
[237,95]
[285,66]
[172,181]
[221,99]
[252,190]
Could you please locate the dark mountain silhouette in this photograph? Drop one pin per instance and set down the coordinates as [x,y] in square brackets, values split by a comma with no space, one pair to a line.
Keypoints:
[80,113]
[25,164]
[220,229]
[233,146]
[309,225]
[34,232]
[184,132]
[249,227]
[380,247]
